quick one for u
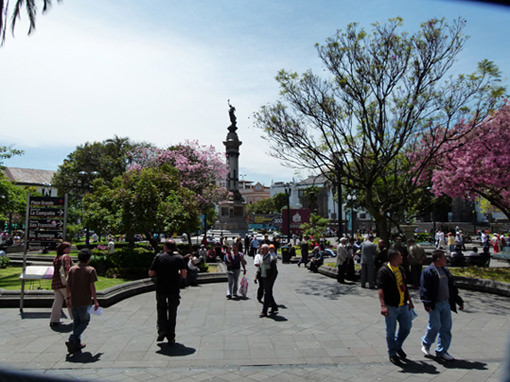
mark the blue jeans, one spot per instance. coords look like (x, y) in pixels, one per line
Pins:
(81, 318)
(233, 281)
(402, 315)
(440, 321)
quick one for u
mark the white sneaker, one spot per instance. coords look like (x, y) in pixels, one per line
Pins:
(426, 350)
(445, 356)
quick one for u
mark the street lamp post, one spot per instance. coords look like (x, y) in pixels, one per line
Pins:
(288, 191)
(474, 217)
(85, 181)
(338, 168)
(351, 199)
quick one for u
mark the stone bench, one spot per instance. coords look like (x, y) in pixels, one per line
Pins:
(503, 255)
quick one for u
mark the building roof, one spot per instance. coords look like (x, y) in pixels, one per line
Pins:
(29, 175)
(318, 180)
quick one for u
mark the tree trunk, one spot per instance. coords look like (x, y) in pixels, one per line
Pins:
(131, 240)
(381, 222)
(153, 242)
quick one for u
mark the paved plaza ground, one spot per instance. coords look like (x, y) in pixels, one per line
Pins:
(324, 332)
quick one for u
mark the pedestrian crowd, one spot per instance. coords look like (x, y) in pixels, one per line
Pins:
(390, 268)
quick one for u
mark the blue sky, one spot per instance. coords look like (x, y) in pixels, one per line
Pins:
(162, 71)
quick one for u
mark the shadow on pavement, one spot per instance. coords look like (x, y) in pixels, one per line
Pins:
(331, 290)
(277, 318)
(86, 357)
(413, 367)
(463, 364)
(239, 298)
(174, 350)
(63, 328)
(36, 315)
(476, 302)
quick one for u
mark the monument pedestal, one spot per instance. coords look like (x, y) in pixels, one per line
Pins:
(232, 217)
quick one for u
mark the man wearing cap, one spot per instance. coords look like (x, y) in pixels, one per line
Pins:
(341, 259)
(368, 255)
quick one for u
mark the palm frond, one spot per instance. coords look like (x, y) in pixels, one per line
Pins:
(31, 9)
(4, 6)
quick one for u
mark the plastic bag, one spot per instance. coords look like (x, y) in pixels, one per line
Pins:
(244, 286)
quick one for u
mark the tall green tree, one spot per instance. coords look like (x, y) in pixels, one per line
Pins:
(105, 160)
(148, 201)
(280, 201)
(311, 196)
(386, 90)
(269, 205)
(7, 152)
(263, 206)
(316, 227)
(12, 198)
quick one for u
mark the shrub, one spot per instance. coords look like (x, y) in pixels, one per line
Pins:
(125, 261)
(422, 237)
(183, 248)
(101, 262)
(202, 267)
(4, 262)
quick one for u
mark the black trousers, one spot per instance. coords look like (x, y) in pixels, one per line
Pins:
(269, 302)
(303, 259)
(340, 277)
(415, 275)
(166, 305)
(260, 290)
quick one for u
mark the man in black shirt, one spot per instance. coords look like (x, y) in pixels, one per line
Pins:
(169, 268)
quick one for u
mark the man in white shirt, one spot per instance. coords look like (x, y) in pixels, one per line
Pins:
(341, 257)
(260, 290)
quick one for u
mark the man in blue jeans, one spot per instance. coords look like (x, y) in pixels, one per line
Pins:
(81, 291)
(440, 296)
(396, 304)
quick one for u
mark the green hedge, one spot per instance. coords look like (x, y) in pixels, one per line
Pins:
(4, 262)
(422, 237)
(134, 262)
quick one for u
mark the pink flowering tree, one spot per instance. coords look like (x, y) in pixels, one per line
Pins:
(200, 169)
(475, 165)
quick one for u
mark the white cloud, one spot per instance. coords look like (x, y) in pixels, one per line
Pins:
(163, 72)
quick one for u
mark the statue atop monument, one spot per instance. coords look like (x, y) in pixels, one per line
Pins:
(233, 120)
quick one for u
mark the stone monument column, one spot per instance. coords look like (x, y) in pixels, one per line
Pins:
(232, 214)
(232, 150)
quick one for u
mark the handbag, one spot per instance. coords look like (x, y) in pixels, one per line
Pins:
(243, 288)
(62, 273)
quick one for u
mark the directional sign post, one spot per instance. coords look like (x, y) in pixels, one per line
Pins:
(46, 222)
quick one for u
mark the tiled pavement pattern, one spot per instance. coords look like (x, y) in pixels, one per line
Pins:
(324, 332)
